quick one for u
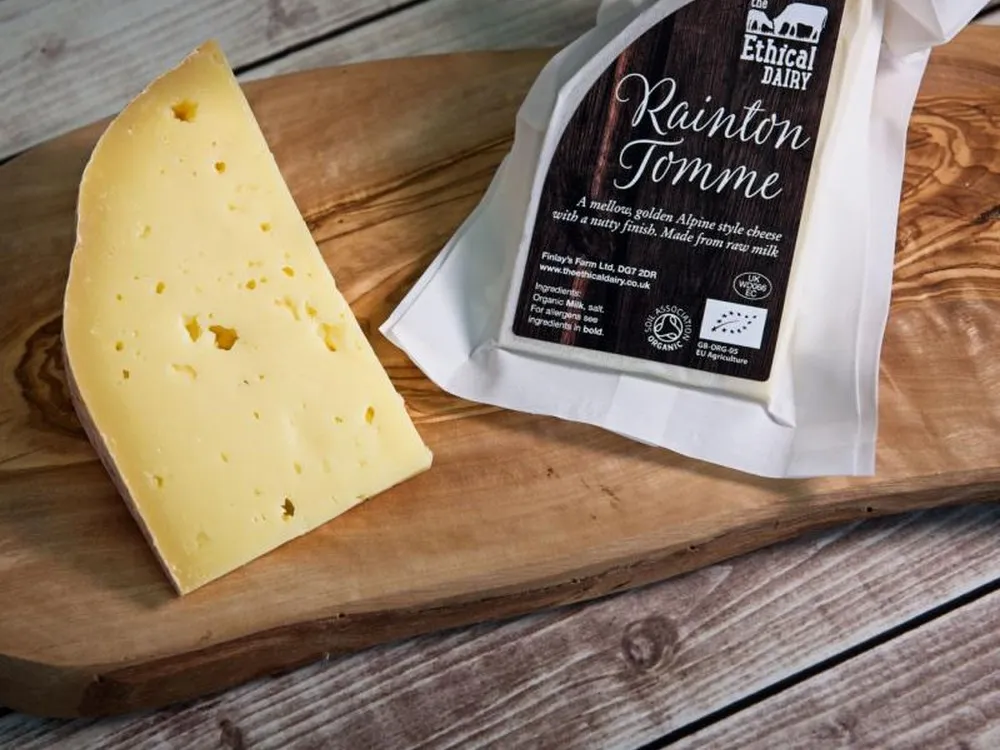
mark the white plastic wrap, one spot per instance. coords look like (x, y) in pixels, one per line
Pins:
(816, 414)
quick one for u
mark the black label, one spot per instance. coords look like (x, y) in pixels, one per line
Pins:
(670, 212)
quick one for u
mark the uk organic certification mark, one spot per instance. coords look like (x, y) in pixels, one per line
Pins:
(668, 328)
(753, 286)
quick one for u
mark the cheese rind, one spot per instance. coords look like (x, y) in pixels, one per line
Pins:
(225, 380)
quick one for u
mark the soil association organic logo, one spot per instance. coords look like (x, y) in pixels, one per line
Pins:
(668, 328)
(784, 44)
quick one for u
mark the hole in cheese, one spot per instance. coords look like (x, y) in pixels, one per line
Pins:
(252, 284)
(311, 311)
(186, 370)
(265, 226)
(370, 414)
(288, 271)
(145, 231)
(256, 415)
(185, 110)
(126, 374)
(224, 457)
(158, 481)
(220, 166)
(298, 467)
(329, 335)
(160, 287)
(225, 338)
(288, 509)
(338, 420)
(289, 304)
(192, 326)
(119, 345)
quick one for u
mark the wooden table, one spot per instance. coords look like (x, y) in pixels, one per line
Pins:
(873, 635)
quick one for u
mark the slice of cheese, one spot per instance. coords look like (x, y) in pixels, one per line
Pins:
(221, 374)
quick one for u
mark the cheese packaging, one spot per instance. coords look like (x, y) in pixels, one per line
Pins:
(691, 240)
(219, 372)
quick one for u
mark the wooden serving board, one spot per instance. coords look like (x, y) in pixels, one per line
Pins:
(519, 512)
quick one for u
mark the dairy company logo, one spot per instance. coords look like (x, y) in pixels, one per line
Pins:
(753, 286)
(784, 45)
(730, 323)
(668, 328)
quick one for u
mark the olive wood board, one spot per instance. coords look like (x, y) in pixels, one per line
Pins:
(519, 512)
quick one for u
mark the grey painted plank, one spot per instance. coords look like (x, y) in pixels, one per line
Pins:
(613, 674)
(82, 60)
(935, 687)
(440, 26)
(65, 63)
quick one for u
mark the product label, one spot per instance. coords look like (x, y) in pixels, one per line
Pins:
(671, 210)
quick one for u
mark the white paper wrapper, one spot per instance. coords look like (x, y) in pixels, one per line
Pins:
(816, 415)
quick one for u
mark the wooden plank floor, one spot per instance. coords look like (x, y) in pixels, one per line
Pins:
(620, 673)
(926, 688)
(874, 635)
(84, 59)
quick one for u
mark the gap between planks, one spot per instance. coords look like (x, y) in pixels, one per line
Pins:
(617, 673)
(753, 701)
(289, 52)
(260, 37)
(935, 686)
(51, 53)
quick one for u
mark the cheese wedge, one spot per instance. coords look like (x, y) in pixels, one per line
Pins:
(220, 373)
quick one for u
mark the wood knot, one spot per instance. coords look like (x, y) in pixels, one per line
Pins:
(842, 730)
(646, 642)
(52, 48)
(231, 736)
(42, 378)
(287, 16)
(988, 216)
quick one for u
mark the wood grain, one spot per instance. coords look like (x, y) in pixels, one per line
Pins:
(85, 59)
(440, 26)
(616, 673)
(937, 686)
(81, 62)
(520, 512)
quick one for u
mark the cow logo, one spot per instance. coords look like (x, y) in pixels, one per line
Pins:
(785, 44)
(668, 328)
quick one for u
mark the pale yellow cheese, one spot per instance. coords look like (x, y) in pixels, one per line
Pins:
(236, 397)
